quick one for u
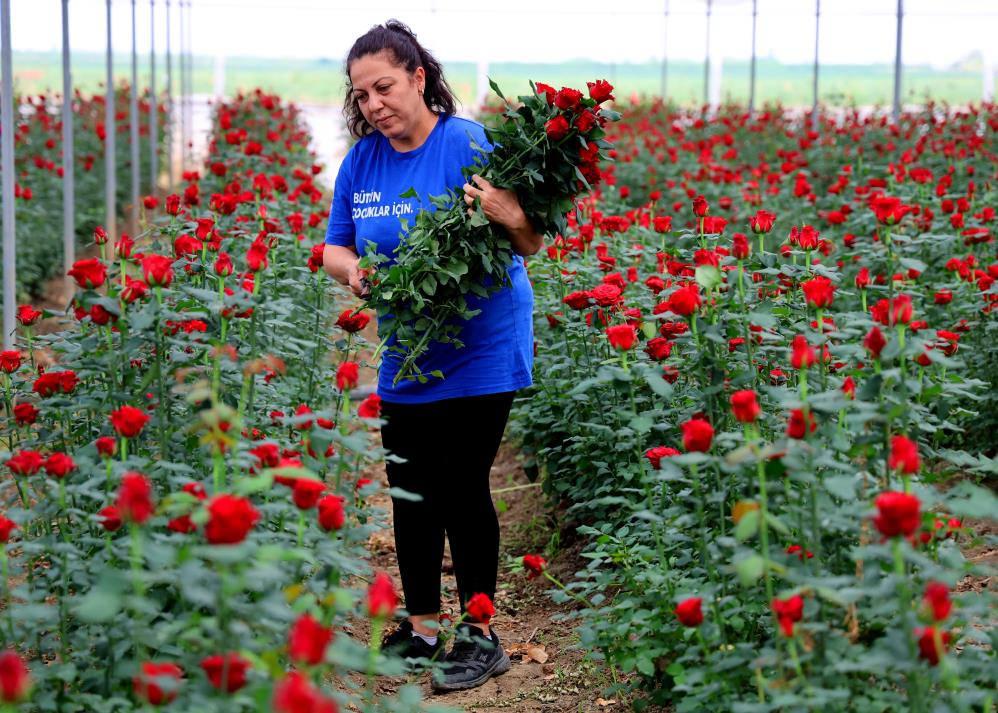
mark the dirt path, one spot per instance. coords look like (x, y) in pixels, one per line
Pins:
(548, 674)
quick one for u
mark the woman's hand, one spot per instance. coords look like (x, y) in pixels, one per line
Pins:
(501, 206)
(357, 279)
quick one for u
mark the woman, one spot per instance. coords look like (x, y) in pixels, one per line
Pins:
(401, 109)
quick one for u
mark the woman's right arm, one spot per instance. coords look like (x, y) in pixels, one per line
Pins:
(341, 263)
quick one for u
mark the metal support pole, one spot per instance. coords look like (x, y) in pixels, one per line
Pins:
(706, 58)
(110, 164)
(817, 27)
(183, 90)
(68, 169)
(133, 125)
(7, 169)
(665, 53)
(190, 85)
(897, 64)
(153, 103)
(170, 121)
(751, 95)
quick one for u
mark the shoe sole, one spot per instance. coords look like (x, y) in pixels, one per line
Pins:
(501, 666)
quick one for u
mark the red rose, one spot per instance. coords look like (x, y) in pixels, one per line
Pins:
(106, 446)
(15, 679)
(534, 564)
(134, 290)
(904, 455)
(740, 248)
(700, 207)
(173, 204)
(370, 407)
(685, 300)
(936, 601)
(819, 292)
(480, 608)
(557, 128)
(662, 223)
(600, 91)
(928, 648)
(59, 465)
(606, 294)
(7, 526)
(10, 360)
(800, 424)
(157, 683)
(889, 210)
(622, 337)
(186, 245)
(874, 342)
(943, 297)
(230, 518)
(658, 348)
(801, 353)
(267, 453)
(656, 454)
(157, 270)
(134, 500)
(762, 222)
(88, 273)
(307, 640)
(547, 90)
(306, 492)
(567, 98)
(697, 435)
(788, 611)
(331, 514)
(100, 235)
(226, 672)
(25, 462)
(256, 256)
(585, 122)
(745, 406)
(897, 514)
(577, 300)
(892, 312)
(381, 598)
(347, 375)
(863, 278)
(25, 414)
(150, 202)
(689, 612)
(129, 421)
(27, 315)
(294, 694)
(110, 518)
(350, 322)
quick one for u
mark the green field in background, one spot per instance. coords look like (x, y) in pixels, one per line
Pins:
(321, 81)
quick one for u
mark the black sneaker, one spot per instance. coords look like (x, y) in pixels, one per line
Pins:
(404, 644)
(474, 659)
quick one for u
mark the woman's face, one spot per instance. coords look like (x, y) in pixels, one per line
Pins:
(388, 96)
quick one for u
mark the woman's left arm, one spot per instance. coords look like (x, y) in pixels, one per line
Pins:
(501, 206)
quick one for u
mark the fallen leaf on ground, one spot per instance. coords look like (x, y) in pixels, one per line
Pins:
(538, 654)
(605, 702)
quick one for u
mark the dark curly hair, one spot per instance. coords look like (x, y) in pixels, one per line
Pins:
(405, 52)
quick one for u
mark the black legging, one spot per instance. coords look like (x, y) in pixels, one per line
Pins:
(449, 447)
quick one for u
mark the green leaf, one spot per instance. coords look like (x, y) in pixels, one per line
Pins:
(747, 526)
(750, 569)
(841, 486)
(708, 276)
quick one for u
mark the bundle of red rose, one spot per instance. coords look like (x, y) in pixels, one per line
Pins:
(547, 150)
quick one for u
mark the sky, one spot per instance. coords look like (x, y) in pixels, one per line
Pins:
(936, 32)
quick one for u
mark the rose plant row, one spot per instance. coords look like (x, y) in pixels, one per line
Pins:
(38, 165)
(184, 509)
(765, 397)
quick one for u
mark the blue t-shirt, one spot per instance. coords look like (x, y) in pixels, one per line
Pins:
(498, 342)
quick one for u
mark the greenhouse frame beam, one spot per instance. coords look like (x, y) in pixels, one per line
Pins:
(706, 58)
(183, 88)
(814, 88)
(110, 179)
(751, 96)
(169, 104)
(896, 111)
(7, 168)
(133, 126)
(68, 167)
(153, 103)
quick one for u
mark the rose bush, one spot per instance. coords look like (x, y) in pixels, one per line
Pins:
(184, 516)
(767, 458)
